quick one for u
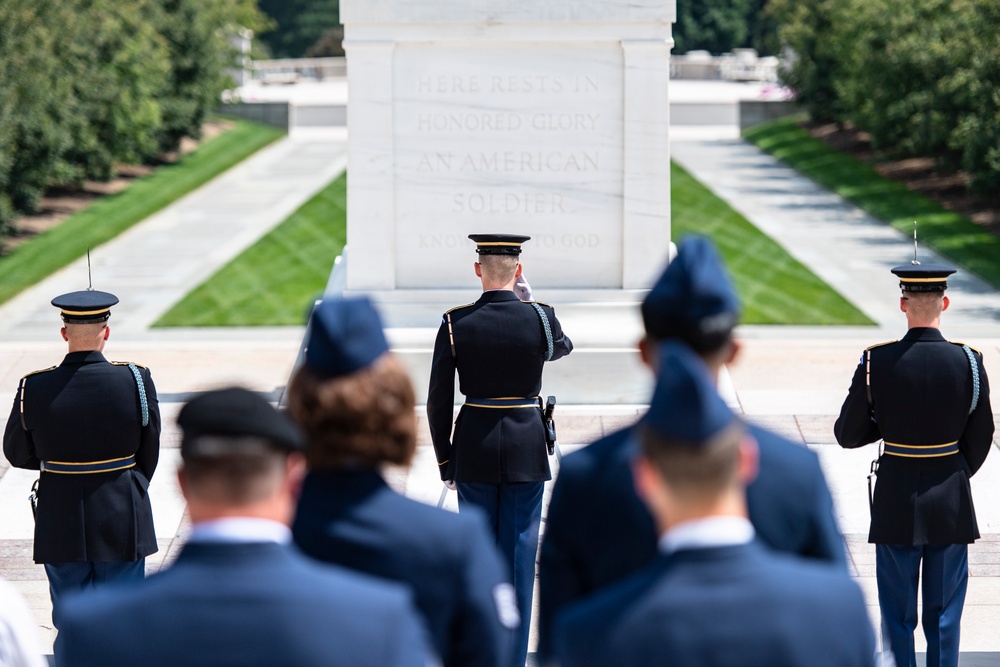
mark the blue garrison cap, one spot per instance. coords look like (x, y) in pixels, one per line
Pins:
(345, 335)
(686, 407)
(694, 300)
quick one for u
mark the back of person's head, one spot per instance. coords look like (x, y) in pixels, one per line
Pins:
(235, 447)
(924, 305)
(690, 436)
(694, 300)
(499, 269)
(352, 397)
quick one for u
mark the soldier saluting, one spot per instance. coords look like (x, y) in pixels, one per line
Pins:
(92, 427)
(497, 456)
(928, 399)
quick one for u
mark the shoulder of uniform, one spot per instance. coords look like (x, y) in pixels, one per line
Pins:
(448, 312)
(540, 303)
(41, 370)
(888, 342)
(961, 344)
(126, 363)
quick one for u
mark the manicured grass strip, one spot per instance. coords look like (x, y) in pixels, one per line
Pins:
(951, 234)
(109, 216)
(774, 287)
(275, 280)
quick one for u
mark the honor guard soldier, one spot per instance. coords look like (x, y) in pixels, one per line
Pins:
(599, 531)
(239, 593)
(713, 595)
(92, 427)
(928, 400)
(497, 455)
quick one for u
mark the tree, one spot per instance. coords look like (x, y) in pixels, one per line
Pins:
(711, 25)
(299, 24)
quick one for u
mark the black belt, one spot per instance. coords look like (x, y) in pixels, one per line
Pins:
(87, 467)
(504, 403)
(921, 451)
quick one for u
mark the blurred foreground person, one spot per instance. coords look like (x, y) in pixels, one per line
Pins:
(238, 593)
(598, 530)
(355, 402)
(18, 633)
(92, 427)
(714, 595)
(929, 401)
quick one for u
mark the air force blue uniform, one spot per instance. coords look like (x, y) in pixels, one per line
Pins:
(352, 518)
(727, 606)
(244, 604)
(921, 392)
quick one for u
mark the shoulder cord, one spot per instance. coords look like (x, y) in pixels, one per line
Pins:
(975, 377)
(548, 331)
(143, 405)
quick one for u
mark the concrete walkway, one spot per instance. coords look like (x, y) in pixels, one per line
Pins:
(791, 378)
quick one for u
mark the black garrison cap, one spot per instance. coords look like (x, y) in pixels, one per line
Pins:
(85, 307)
(238, 414)
(923, 277)
(499, 244)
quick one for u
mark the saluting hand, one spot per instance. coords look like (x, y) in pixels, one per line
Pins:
(521, 288)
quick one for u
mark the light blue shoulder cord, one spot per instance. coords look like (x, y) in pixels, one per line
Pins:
(142, 394)
(975, 377)
(548, 330)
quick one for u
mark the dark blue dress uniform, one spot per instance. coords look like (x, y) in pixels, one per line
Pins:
(497, 454)
(714, 596)
(350, 517)
(598, 531)
(353, 519)
(93, 428)
(916, 395)
(244, 604)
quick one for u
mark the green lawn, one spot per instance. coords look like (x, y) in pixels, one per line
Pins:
(951, 234)
(109, 216)
(275, 280)
(774, 287)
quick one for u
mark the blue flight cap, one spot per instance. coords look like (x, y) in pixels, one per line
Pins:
(694, 300)
(87, 306)
(345, 335)
(238, 415)
(686, 407)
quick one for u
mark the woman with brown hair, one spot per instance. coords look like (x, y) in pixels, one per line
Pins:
(355, 401)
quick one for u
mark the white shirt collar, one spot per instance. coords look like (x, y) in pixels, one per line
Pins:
(716, 531)
(240, 529)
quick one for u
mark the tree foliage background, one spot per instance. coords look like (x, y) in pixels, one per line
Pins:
(89, 85)
(300, 27)
(921, 76)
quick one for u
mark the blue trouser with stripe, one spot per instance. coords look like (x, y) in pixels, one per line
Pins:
(513, 514)
(945, 580)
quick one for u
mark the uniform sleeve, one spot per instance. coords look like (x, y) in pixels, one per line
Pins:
(17, 444)
(978, 434)
(148, 454)
(489, 616)
(827, 542)
(855, 426)
(561, 344)
(559, 583)
(441, 401)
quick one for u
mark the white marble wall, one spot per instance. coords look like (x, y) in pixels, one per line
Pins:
(545, 118)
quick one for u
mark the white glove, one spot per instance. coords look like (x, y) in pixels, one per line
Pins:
(521, 288)
(450, 483)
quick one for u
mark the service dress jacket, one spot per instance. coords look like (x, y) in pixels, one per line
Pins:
(86, 410)
(259, 604)
(353, 519)
(727, 606)
(921, 392)
(498, 346)
(598, 531)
